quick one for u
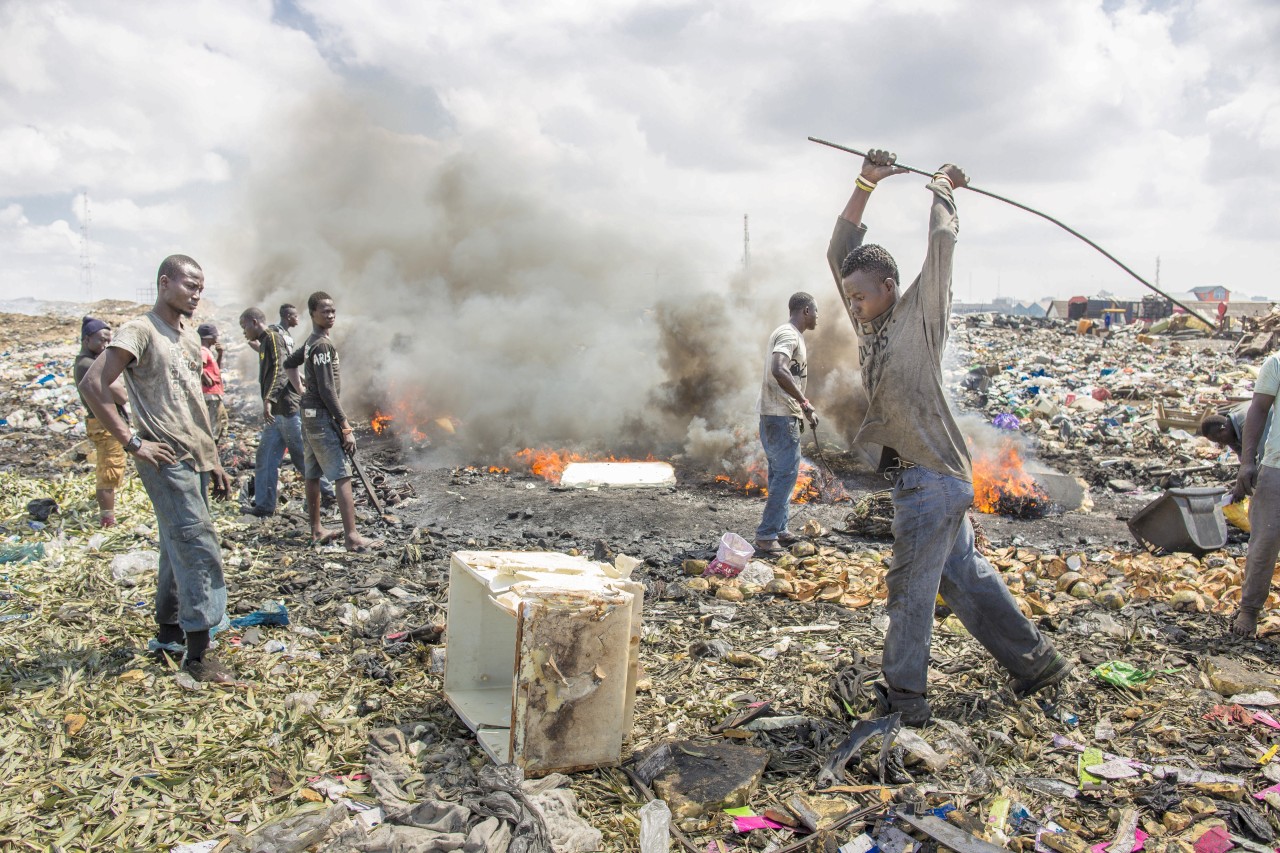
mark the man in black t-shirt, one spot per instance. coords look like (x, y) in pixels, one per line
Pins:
(326, 432)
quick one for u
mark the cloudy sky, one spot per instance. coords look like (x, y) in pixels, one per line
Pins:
(1153, 127)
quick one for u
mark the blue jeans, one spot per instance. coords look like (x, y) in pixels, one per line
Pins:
(780, 436)
(284, 433)
(190, 589)
(933, 552)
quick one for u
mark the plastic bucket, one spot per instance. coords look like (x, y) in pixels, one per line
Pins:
(734, 551)
(1186, 520)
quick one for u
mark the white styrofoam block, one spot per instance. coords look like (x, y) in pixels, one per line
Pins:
(618, 474)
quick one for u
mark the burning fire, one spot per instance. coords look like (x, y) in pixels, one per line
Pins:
(1002, 486)
(550, 464)
(403, 419)
(805, 490)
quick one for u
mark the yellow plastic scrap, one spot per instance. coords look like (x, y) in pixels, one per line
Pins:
(1237, 514)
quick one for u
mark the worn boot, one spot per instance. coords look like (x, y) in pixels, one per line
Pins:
(203, 666)
(1053, 673)
(915, 710)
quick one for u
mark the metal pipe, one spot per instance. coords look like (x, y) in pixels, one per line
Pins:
(1020, 206)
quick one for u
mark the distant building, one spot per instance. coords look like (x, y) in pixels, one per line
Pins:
(1081, 307)
(1211, 293)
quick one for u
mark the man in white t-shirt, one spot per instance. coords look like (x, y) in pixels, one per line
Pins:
(781, 405)
(1259, 476)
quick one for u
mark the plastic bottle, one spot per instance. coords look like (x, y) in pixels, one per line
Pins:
(655, 827)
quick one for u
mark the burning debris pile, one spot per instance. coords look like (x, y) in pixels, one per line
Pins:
(1002, 486)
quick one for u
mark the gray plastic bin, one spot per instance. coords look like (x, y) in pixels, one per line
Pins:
(1188, 520)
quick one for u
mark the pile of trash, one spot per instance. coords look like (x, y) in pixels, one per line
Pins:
(1123, 411)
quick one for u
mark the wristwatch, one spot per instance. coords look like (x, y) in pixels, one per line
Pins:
(134, 444)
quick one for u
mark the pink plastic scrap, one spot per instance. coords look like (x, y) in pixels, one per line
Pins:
(1231, 714)
(746, 824)
(1140, 841)
(1262, 795)
(1266, 719)
(1216, 840)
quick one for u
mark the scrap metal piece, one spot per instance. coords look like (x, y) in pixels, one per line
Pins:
(741, 716)
(832, 772)
(951, 837)
(368, 486)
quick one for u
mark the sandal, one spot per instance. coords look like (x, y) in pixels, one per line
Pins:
(786, 537)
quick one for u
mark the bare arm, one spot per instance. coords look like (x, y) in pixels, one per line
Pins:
(1253, 424)
(119, 393)
(780, 368)
(291, 365)
(877, 166)
(107, 369)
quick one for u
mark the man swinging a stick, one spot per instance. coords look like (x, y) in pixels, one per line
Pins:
(901, 338)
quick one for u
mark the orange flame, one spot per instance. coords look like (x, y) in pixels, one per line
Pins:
(406, 419)
(1001, 482)
(805, 490)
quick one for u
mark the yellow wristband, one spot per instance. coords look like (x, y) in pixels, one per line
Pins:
(863, 184)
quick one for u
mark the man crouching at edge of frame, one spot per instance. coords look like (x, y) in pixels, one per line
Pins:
(901, 338)
(172, 444)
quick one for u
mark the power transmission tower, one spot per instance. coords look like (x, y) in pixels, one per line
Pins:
(86, 265)
(746, 242)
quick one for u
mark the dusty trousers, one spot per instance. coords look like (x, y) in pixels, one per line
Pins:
(933, 552)
(780, 437)
(190, 589)
(1264, 540)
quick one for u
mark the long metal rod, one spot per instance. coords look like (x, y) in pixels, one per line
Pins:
(1020, 206)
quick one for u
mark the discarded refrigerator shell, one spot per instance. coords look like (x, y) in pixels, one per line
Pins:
(543, 657)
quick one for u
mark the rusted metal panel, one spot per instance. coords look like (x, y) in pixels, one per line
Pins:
(571, 679)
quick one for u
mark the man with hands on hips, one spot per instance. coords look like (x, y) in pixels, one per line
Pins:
(172, 442)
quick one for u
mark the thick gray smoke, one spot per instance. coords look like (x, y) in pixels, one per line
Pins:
(466, 290)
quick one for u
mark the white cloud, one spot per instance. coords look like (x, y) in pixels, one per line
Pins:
(1146, 125)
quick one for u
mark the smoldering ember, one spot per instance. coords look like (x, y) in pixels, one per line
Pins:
(557, 648)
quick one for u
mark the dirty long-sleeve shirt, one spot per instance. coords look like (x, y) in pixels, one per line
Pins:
(901, 351)
(319, 360)
(276, 390)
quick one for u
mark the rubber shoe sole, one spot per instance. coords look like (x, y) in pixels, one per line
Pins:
(209, 670)
(1052, 675)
